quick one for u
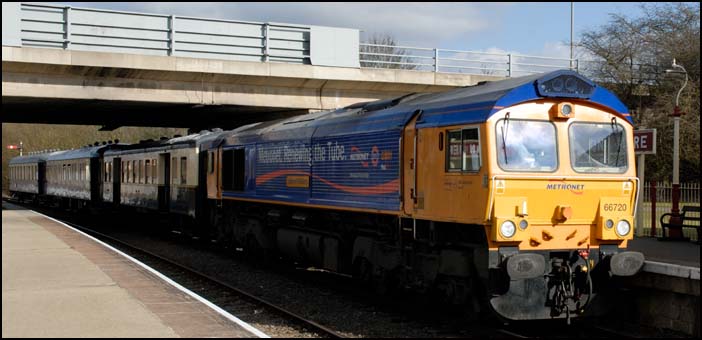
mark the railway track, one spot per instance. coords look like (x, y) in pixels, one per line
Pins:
(391, 309)
(305, 323)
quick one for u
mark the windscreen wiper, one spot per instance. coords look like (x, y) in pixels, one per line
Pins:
(505, 128)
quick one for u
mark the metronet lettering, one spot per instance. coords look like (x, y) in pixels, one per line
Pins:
(574, 187)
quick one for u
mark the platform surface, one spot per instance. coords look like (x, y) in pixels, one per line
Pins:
(57, 282)
(683, 253)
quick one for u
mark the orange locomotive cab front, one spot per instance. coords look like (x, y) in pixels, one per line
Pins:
(561, 206)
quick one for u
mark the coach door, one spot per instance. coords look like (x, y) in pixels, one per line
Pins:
(116, 173)
(164, 185)
(213, 188)
(42, 178)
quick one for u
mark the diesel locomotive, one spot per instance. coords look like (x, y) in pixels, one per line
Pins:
(516, 195)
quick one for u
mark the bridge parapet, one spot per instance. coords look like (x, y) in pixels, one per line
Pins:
(86, 29)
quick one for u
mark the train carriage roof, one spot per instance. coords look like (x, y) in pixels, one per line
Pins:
(29, 159)
(82, 153)
(193, 140)
(466, 105)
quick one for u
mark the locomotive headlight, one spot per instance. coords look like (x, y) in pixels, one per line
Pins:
(566, 109)
(609, 224)
(623, 228)
(508, 229)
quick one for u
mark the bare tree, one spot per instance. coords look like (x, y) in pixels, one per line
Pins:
(634, 54)
(382, 52)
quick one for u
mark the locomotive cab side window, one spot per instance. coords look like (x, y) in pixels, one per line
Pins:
(463, 152)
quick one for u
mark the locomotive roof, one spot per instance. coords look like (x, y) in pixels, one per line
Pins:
(29, 159)
(466, 105)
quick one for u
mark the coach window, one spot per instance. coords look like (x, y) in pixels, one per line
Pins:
(147, 170)
(140, 172)
(463, 152)
(183, 170)
(154, 172)
(132, 171)
(174, 169)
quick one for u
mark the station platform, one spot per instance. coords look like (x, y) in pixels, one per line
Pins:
(57, 282)
(671, 258)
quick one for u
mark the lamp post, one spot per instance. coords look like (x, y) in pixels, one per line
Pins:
(675, 212)
(572, 17)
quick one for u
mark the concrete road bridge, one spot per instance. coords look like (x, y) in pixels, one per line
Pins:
(69, 65)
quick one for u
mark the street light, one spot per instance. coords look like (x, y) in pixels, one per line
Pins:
(572, 17)
(675, 212)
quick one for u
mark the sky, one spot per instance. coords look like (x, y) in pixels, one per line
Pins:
(540, 29)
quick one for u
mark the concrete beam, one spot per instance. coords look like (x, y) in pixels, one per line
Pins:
(42, 75)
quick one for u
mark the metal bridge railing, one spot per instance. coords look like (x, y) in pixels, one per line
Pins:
(495, 64)
(456, 61)
(66, 27)
(86, 29)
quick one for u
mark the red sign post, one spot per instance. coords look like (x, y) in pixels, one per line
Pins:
(645, 142)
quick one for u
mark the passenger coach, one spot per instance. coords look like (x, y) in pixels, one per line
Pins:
(27, 176)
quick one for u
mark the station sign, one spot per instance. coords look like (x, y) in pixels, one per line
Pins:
(645, 142)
